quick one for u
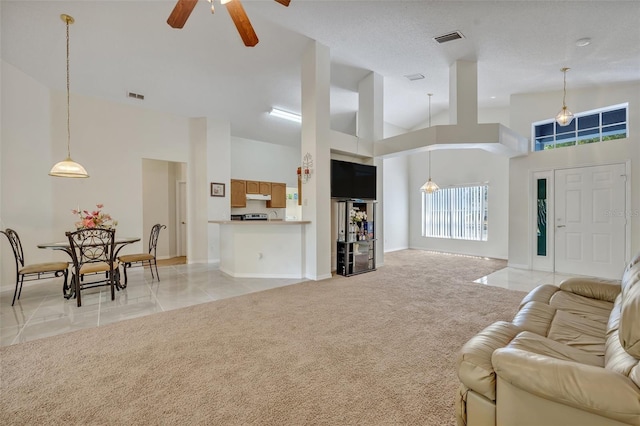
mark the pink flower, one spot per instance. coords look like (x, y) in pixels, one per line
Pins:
(94, 219)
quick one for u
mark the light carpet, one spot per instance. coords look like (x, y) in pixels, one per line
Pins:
(373, 349)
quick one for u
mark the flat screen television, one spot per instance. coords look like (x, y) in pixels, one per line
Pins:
(353, 180)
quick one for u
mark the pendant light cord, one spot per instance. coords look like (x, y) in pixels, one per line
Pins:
(68, 108)
(564, 89)
(429, 94)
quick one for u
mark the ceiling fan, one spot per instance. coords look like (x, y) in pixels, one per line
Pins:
(183, 9)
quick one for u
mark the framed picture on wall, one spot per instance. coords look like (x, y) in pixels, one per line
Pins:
(217, 189)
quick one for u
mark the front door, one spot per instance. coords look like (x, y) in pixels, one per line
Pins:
(590, 220)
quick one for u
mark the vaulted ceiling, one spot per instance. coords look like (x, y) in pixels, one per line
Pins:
(205, 70)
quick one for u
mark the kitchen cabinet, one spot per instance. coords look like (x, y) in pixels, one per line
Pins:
(257, 187)
(356, 248)
(278, 196)
(238, 193)
(252, 187)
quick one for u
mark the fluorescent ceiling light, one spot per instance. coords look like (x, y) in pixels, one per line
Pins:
(286, 115)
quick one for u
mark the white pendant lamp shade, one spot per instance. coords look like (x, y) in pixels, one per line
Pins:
(564, 117)
(68, 168)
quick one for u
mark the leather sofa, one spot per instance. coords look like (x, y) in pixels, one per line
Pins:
(570, 356)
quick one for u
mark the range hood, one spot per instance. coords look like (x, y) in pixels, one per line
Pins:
(263, 197)
(464, 132)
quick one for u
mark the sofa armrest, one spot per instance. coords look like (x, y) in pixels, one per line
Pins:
(592, 288)
(585, 387)
(474, 359)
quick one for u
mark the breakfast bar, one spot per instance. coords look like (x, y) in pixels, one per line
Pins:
(262, 249)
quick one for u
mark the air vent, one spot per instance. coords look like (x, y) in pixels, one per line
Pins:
(136, 96)
(456, 35)
(414, 77)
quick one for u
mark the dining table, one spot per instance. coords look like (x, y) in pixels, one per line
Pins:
(119, 243)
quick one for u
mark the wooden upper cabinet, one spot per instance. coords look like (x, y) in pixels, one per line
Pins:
(265, 188)
(257, 187)
(238, 193)
(278, 196)
(253, 187)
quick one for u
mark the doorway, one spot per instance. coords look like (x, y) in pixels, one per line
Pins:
(163, 202)
(580, 224)
(181, 218)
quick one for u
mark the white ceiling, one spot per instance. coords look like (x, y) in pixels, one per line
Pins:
(205, 70)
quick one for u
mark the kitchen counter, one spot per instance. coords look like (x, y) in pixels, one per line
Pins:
(262, 248)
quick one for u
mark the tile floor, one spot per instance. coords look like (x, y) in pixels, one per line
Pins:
(42, 311)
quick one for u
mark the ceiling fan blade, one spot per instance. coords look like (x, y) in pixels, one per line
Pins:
(285, 3)
(242, 22)
(181, 13)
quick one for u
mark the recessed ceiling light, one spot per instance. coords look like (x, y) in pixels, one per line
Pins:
(493, 97)
(583, 42)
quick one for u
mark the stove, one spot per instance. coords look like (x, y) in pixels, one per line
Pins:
(250, 216)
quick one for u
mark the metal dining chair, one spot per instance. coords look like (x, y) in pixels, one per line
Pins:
(148, 258)
(35, 271)
(92, 251)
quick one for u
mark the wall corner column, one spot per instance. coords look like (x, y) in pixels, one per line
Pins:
(316, 195)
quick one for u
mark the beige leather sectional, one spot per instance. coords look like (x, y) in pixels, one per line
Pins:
(569, 357)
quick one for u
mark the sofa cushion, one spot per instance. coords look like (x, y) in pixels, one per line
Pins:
(542, 294)
(586, 307)
(474, 359)
(537, 344)
(618, 360)
(535, 317)
(578, 332)
(629, 326)
(593, 288)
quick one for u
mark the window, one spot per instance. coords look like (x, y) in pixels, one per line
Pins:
(458, 212)
(587, 127)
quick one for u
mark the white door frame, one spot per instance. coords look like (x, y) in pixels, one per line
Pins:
(182, 251)
(548, 264)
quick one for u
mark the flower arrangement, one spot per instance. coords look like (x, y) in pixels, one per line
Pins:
(94, 219)
(357, 216)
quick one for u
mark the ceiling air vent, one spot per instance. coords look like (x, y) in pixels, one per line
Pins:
(135, 96)
(456, 35)
(414, 77)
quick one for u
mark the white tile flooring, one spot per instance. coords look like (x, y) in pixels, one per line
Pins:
(42, 311)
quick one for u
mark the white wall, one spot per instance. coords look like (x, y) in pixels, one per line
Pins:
(455, 167)
(535, 107)
(396, 191)
(255, 160)
(107, 138)
(26, 147)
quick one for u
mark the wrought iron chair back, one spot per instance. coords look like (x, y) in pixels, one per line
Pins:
(143, 259)
(16, 246)
(153, 238)
(32, 272)
(92, 251)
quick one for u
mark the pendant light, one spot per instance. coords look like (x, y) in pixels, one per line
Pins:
(68, 168)
(429, 186)
(564, 117)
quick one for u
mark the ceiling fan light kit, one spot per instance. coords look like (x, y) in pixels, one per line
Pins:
(183, 9)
